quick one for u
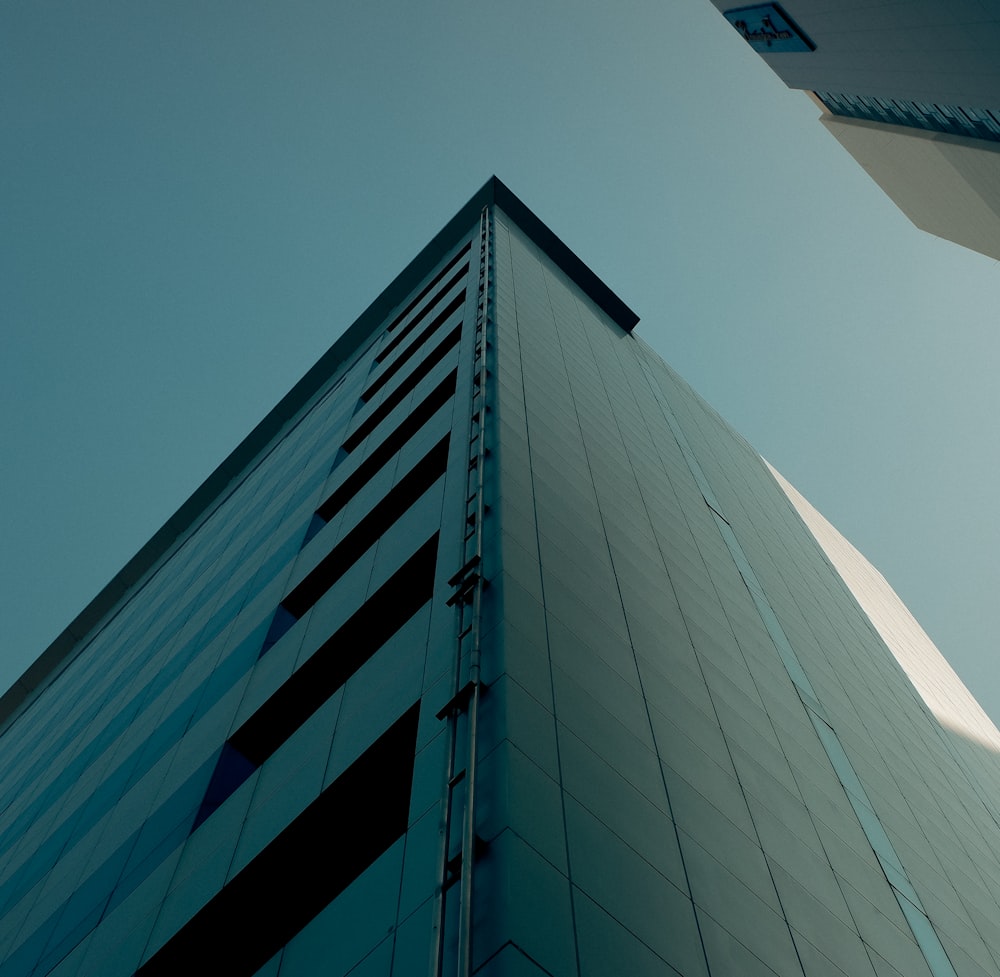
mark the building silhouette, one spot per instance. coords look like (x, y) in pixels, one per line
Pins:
(494, 650)
(910, 90)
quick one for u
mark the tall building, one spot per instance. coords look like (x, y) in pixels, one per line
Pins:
(494, 650)
(911, 90)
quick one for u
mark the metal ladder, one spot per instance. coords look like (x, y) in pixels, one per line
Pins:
(467, 589)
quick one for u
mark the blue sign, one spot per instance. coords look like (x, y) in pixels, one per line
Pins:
(768, 29)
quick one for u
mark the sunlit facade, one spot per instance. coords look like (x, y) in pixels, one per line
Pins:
(911, 91)
(495, 650)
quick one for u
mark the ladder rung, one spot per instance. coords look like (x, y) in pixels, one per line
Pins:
(454, 870)
(457, 702)
(464, 595)
(469, 564)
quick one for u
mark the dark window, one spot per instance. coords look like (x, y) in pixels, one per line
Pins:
(338, 658)
(330, 666)
(395, 440)
(392, 401)
(393, 368)
(423, 292)
(304, 869)
(451, 307)
(343, 556)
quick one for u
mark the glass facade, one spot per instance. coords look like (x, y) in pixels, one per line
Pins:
(497, 652)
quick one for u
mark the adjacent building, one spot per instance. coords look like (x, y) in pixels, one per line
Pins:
(910, 89)
(494, 650)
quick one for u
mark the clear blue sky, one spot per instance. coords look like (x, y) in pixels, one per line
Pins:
(196, 199)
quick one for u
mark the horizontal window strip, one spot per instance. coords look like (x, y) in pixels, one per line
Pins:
(393, 368)
(430, 285)
(354, 821)
(381, 455)
(354, 545)
(340, 656)
(393, 400)
(330, 666)
(451, 307)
